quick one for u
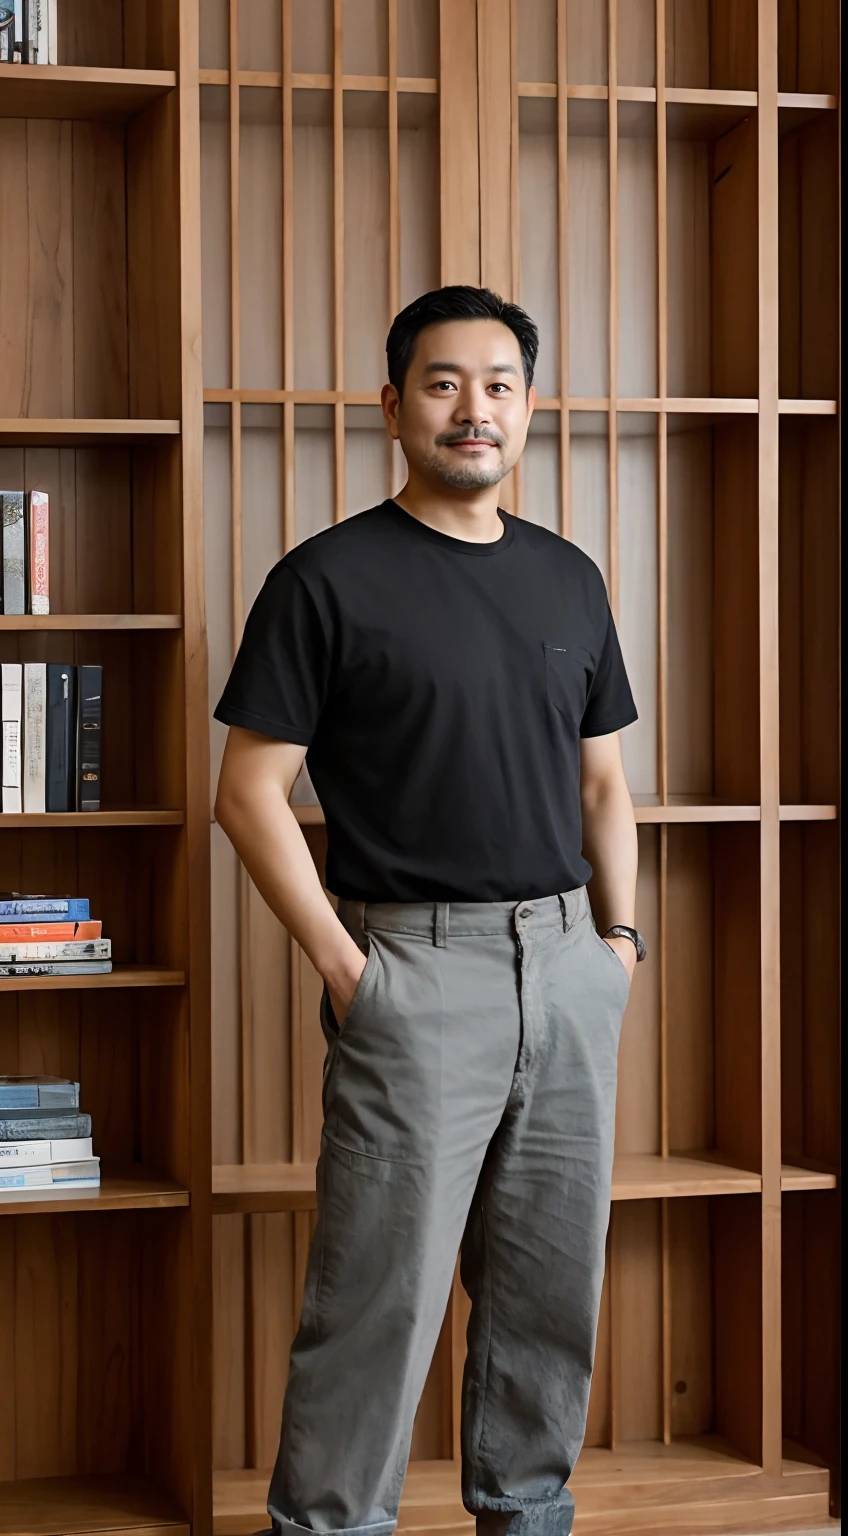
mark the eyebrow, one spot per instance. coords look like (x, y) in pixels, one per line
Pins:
(455, 368)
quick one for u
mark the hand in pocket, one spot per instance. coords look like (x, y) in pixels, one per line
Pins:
(340, 1001)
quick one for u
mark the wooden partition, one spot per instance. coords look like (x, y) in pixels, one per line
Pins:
(656, 181)
(106, 1318)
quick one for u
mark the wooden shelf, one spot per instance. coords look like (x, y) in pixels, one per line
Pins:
(649, 810)
(807, 1175)
(69, 621)
(61, 90)
(41, 1506)
(120, 1190)
(264, 1187)
(79, 432)
(121, 976)
(81, 819)
(683, 1481)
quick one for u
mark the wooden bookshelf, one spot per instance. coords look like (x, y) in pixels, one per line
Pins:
(650, 193)
(105, 1420)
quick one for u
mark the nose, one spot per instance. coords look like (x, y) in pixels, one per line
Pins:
(472, 407)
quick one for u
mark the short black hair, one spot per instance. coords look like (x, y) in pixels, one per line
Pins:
(458, 301)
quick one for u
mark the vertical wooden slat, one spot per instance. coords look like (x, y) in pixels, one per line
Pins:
(338, 266)
(392, 448)
(394, 200)
(514, 201)
(563, 277)
(458, 167)
(662, 418)
(289, 534)
(612, 118)
(613, 1269)
(235, 368)
(664, 1147)
(767, 188)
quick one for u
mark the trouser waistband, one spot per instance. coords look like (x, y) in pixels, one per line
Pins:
(444, 920)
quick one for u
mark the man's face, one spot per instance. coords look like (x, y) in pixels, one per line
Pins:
(463, 417)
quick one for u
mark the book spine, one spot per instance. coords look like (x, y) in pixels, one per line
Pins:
(38, 552)
(52, 32)
(11, 717)
(50, 1177)
(89, 722)
(13, 1152)
(55, 967)
(61, 716)
(46, 909)
(17, 48)
(14, 596)
(49, 933)
(6, 36)
(17, 1095)
(90, 949)
(35, 736)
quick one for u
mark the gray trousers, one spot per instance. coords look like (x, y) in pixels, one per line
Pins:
(469, 1107)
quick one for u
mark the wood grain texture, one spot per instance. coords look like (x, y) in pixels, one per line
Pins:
(458, 115)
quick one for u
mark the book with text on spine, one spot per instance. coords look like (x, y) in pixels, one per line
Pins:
(55, 967)
(85, 1175)
(38, 552)
(43, 909)
(51, 933)
(53, 1151)
(61, 736)
(91, 949)
(89, 721)
(34, 772)
(11, 712)
(43, 1124)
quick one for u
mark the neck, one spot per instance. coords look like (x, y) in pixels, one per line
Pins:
(471, 515)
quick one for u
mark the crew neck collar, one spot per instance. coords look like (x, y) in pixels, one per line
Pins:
(460, 546)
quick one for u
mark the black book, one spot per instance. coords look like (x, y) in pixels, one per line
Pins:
(61, 737)
(89, 732)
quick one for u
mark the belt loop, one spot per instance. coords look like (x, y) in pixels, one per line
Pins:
(441, 910)
(561, 900)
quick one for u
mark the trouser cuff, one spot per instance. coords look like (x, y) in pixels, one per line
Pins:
(287, 1527)
(542, 1520)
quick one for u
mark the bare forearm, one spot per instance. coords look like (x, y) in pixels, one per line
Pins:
(268, 839)
(610, 845)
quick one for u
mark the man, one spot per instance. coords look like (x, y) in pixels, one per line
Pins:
(455, 674)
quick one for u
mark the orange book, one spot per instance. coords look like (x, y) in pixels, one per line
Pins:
(43, 933)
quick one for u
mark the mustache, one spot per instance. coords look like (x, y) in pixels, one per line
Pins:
(480, 434)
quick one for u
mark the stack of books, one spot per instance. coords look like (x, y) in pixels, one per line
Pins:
(51, 936)
(45, 1141)
(25, 587)
(52, 724)
(29, 32)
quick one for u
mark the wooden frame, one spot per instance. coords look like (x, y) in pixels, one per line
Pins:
(106, 1340)
(695, 99)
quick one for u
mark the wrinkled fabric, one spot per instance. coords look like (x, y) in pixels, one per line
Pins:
(469, 1108)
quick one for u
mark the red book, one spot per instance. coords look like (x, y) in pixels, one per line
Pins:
(38, 573)
(38, 933)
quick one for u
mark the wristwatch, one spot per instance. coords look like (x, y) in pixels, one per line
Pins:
(629, 933)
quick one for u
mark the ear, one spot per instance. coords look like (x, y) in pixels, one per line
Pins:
(531, 402)
(390, 403)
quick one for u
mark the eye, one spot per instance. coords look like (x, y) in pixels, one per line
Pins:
(504, 387)
(444, 384)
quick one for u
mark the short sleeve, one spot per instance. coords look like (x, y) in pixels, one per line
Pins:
(280, 677)
(609, 703)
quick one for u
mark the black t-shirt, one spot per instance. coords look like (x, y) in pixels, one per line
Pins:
(441, 687)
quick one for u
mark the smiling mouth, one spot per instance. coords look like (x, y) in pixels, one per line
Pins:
(467, 443)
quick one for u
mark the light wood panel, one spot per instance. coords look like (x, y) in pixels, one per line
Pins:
(630, 174)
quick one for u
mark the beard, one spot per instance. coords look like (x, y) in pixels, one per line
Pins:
(466, 477)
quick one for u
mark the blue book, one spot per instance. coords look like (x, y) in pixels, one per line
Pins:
(47, 909)
(38, 1093)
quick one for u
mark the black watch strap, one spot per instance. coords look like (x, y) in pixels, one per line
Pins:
(629, 933)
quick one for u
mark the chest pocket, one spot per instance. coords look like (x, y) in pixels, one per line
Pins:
(568, 675)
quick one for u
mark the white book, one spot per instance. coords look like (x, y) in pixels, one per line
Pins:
(35, 735)
(11, 708)
(65, 1150)
(84, 1175)
(52, 32)
(63, 949)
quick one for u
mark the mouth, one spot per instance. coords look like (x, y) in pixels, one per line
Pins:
(472, 445)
